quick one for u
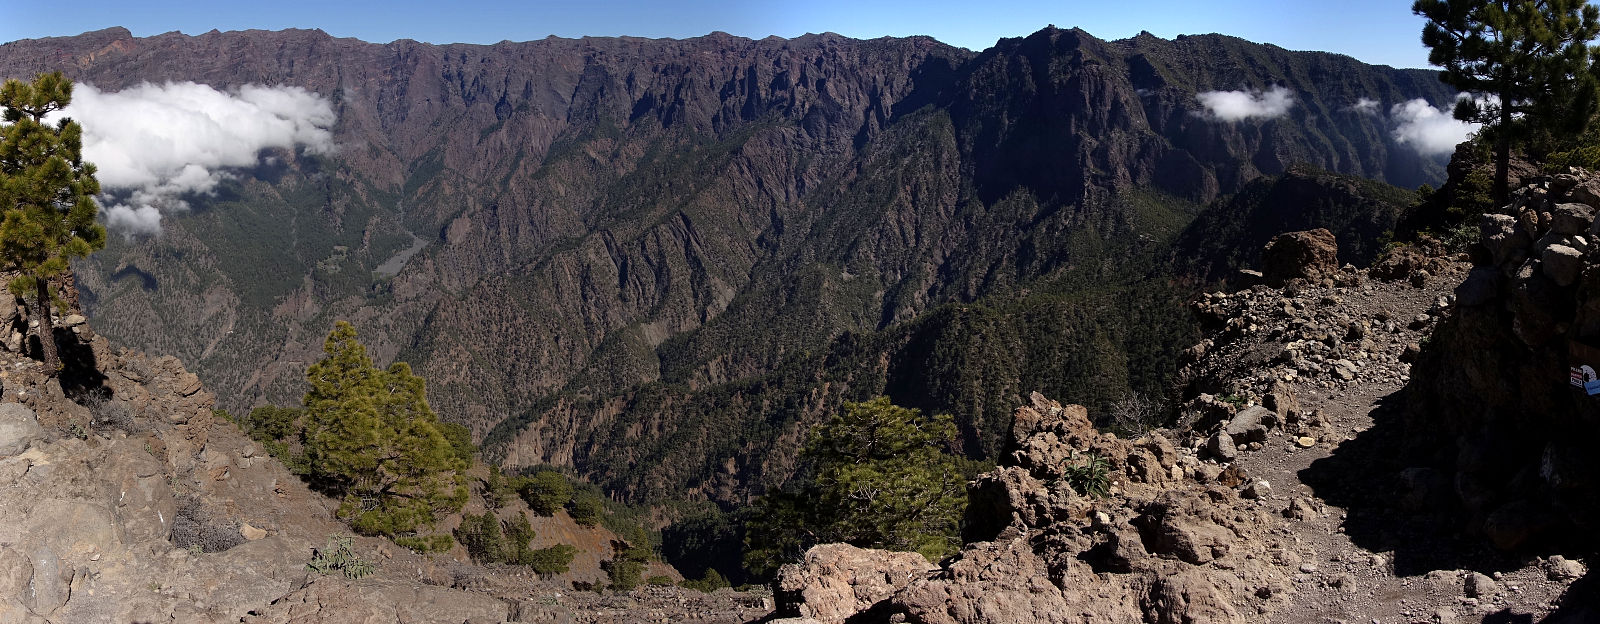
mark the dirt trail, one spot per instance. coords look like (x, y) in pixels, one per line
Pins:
(1369, 544)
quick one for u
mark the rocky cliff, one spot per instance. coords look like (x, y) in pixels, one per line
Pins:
(656, 261)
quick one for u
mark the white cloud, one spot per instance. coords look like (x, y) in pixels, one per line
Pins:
(154, 144)
(1428, 130)
(1366, 106)
(1240, 105)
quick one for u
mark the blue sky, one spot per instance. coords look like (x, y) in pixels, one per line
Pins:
(1383, 32)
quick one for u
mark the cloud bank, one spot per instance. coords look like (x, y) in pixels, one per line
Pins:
(1428, 130)
(1241, 105)
(155, 144)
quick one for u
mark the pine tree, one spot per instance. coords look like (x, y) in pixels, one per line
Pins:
(547, 492)
(882, 476)
(370, 435)
(1533, 56)
(47, 194)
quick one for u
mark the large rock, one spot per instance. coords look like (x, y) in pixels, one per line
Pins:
(1571, 218)
(837, 581)
(1306, 254)
(1250, 424)
(997, 582)
(1562, 263)
(19, 427)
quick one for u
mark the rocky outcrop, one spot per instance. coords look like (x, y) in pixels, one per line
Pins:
(837, 581)
(1170, 543)
(1502, 404)
(1299, 255)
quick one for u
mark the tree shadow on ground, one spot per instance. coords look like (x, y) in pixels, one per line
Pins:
(1387, 513)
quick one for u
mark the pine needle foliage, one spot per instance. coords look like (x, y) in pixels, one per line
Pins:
(370, 435)
(1531, 58)
(47, 196)
(883, 476)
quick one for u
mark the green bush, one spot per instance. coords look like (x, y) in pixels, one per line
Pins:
(552, 560)
(460, 439)
(625, 574)
(712, 581)
(587, 508)
(482, 537)
(497, 489)
(426, 544)
(659, 581)
(270, 423)
(546, 492)
(900, 456)
(370, 436)
(1089, 477)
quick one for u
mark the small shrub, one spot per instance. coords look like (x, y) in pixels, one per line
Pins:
(195, 527)
(625, 574)
(518, 533)
(1135, 415)
(426, 544)
(108, 413)
(659, 581)
(553, 560)
(482, 537)
(460, 439)
(339, 557)
(1090, 477)
(712, 581)
(497, 489)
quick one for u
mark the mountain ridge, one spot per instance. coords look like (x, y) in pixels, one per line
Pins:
(601, 215)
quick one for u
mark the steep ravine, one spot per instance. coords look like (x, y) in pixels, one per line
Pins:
(624, 234)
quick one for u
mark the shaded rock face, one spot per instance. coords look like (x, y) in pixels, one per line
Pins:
(599, 215)
(1498, 404)
(1299, 255)
(1163, 547)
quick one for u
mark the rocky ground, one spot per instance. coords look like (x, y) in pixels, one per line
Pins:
(1359, 532)
(1283, 496)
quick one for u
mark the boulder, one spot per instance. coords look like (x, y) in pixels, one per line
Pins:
(1562, 263)
(1306, 254)
(837, 581)
(19, 427)
(1571, 218)
(1250, 424)
(334, 600)
(1479, 585)
(1185, 525)
(1221, 447)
